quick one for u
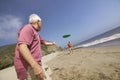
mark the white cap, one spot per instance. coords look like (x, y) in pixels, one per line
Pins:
(34, 18)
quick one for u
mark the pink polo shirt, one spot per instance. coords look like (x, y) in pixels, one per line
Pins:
(30, 36)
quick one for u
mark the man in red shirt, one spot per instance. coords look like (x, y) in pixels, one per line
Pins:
(28, 49)
(70, 47)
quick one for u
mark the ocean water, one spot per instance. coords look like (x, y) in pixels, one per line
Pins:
(115, 42)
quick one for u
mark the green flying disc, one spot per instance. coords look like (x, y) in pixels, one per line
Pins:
(66, 35)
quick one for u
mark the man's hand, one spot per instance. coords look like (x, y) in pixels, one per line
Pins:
(39, 73)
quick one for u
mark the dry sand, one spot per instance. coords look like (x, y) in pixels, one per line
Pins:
(8, 74)
(101, 63)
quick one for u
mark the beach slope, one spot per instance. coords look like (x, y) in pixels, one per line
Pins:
(100, 63)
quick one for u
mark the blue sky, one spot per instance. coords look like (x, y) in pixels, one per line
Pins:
(82, 19)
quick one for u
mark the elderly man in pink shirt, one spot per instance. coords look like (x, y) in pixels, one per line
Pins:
(28, 49)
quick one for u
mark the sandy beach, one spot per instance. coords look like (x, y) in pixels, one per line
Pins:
(100, 63)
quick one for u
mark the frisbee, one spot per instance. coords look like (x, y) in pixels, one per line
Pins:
(66, 35)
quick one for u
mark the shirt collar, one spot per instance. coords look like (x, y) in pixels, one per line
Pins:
(34, 28)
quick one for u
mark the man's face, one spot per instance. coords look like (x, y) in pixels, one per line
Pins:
(39, 23)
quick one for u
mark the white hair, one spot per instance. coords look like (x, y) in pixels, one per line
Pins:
(34, 18)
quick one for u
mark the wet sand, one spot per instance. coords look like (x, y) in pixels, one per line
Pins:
(100, 63)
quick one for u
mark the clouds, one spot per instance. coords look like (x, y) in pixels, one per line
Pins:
(9, 25)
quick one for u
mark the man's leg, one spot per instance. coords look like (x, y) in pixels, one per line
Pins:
(71, 51)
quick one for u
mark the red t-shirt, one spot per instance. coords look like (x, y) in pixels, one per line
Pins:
(69, 45)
